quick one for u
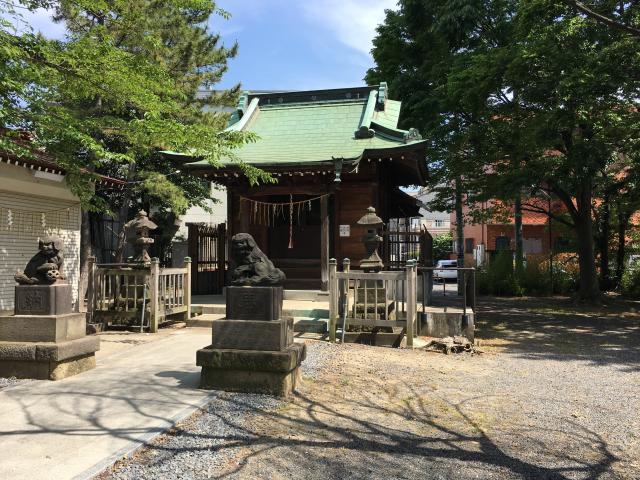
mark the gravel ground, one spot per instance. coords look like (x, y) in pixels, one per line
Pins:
(555, 395)
(8, 382)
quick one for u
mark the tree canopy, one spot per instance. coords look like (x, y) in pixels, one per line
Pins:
(118, 88)
(520, 99)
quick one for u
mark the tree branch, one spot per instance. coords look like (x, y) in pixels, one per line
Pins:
(527, 207)
(581, 7)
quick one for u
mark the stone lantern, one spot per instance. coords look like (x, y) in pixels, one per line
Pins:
(142, 241)
(373, 262)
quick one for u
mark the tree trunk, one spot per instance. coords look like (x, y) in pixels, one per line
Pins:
(459, 233)
(123, 214)
(623, 223)
(605, 229)
(518, 235)
(85, 253)
(588, 290)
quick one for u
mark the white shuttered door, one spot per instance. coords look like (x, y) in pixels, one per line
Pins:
(23, 221)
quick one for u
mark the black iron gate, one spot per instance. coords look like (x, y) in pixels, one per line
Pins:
(208, 252)
(400, 246)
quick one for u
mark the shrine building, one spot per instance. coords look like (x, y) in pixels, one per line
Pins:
(334, 153)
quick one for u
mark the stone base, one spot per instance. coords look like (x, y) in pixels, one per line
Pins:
(48, 360)
(273, 373)
(252, 334)
(42, 328)
(254, 303)
(377, 339)
(43, 299)
(446, 324)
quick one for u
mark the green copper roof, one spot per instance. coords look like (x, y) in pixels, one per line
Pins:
(318, 126)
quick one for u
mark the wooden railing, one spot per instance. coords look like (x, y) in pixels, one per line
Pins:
(138, 295)
(383, 299)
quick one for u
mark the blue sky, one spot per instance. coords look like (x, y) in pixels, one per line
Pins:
(290, 44)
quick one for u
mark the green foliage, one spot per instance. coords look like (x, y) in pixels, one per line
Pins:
(498, 278)
(442, 246)
(630, 284)
(120, 87)
(520, 99)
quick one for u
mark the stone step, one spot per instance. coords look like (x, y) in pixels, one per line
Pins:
(300, 311)
(310, 295)
(310, 325)
(204, 320)
(300, 324)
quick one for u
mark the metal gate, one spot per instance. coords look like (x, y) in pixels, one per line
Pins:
(208, 251)
(398, 247)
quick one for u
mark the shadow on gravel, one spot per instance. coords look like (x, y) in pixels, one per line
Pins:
(555, 328)
(312, 439)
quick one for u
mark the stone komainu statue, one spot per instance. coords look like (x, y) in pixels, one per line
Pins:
(252, 267)
(45, 267)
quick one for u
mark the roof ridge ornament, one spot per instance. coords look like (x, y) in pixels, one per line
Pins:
(383, 94)
(364, 132)
(243, 101)
(412, 135)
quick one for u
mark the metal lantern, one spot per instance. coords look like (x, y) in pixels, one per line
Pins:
(373, 262)
(142, 241)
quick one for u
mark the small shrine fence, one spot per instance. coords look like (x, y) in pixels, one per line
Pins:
(382, 299)
(138, 295)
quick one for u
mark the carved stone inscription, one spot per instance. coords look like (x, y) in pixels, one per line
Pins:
(43, 299)
(35, 301)
(254, 303)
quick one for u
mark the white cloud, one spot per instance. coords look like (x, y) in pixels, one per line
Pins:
(353, 22)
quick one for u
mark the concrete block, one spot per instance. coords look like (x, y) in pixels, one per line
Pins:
(42, 328)
(446, 324)
(254, 303)
(252, 334)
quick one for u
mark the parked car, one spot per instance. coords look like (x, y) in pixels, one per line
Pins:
(445, 270)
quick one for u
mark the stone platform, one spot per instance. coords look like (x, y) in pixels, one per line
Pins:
(45, 347)
(252, 349)
(253, 371)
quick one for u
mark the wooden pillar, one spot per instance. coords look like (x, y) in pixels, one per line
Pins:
(324, 242)
(154, 295)
(186, 286)
(244, 215)
(91, 289)
(333, 299)
(221, 256)
(410, 298)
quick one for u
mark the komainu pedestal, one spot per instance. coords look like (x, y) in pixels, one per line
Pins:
(45, 339)
(46, 347)
(252, 350)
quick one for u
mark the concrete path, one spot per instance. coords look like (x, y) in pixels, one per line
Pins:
(76, 427)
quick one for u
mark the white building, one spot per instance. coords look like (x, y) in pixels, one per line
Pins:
(435, 222)
(35, 202)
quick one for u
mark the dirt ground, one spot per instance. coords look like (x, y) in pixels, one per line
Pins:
(555, 394)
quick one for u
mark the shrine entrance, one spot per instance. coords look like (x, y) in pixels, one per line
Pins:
(207, 248)
(288, 228)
